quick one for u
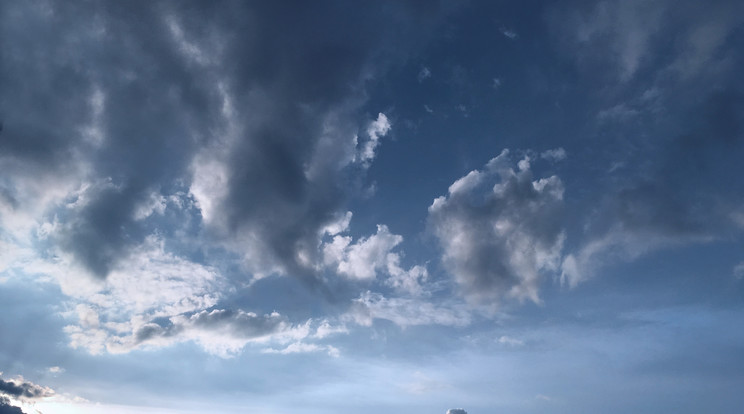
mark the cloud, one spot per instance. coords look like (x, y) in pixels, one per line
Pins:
(628, 37)
(406, 312)
(500, 230)
(456, 411)
(509, 34)
(508, 340)
(376, 129)
(302, 348)
(184, 147)
(423, 74)
(7, 408)
(556, 154)
(175, 100)
(739, 271)
(625, 29)
(364, 259)
(19, 388)
(635, 221)
(17, 391)
(222, 332)
(666, 205)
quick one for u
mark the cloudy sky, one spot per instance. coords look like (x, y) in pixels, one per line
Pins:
(383, 206)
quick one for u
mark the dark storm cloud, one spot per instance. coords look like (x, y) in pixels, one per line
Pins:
(132, 92)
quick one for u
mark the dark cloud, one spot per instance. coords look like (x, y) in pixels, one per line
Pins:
(500, 229)
(6, 408)
(688, 190)
(138, 94)
(456, 411)
(686, 194)
(231, 324)
(21, 389)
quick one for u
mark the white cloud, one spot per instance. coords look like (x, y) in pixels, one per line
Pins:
(303, 348)
(326, 329)
(508, 340)
(56, 370)
(208, 185)
(406, 311)
(156, 203)
(500, 230)
(376, 130)
(363, 259)
(556, 154)
(338, 226)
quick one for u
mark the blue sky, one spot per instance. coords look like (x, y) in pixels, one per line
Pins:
(371, 207)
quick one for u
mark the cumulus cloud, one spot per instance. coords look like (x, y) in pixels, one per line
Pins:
(376, 129)
(364, 259)
(500, 230)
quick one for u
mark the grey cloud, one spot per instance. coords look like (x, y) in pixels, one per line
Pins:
(687, 195)
(23, 389)
(627, 39)
(135, 92)
(7, 408)
(456, 411)
(500, 230)
(234, 324)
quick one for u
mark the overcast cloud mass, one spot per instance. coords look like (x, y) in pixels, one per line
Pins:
(396, 206)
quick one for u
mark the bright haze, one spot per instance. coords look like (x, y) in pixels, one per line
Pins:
(371, 206)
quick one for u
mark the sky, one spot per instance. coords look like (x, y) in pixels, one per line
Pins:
(382, 206)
